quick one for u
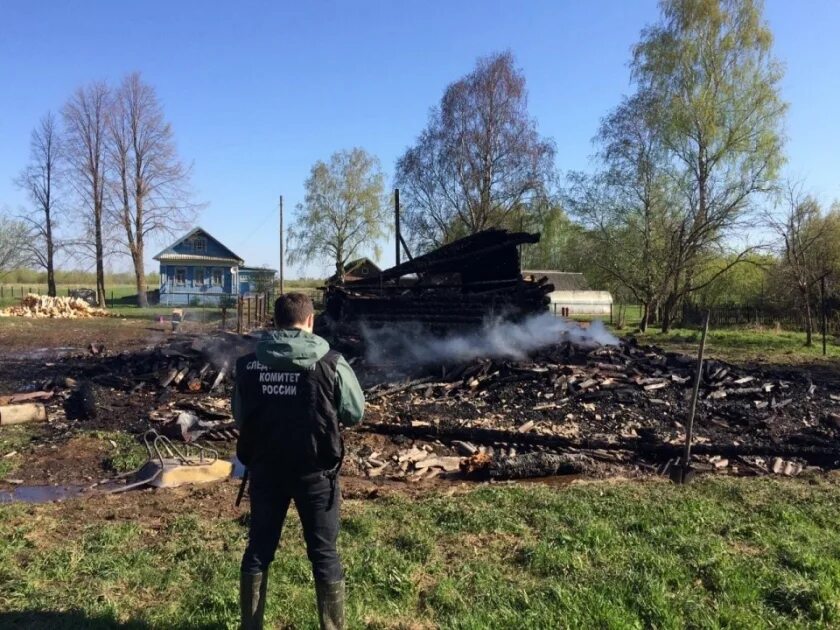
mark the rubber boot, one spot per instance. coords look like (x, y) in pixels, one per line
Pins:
(330, 604)
(252, 600)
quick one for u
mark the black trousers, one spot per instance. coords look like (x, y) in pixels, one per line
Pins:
(317, 501)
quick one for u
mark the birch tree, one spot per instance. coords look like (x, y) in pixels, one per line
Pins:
(628, 207)
(809, 248)
(344, 211)
(479, 162)
(709, 66)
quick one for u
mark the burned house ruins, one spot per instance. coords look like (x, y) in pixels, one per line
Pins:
(455, 286)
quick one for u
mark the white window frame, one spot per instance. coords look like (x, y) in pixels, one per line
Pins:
(221, 274)
(200, 245)
(196, 271)
(179, 271)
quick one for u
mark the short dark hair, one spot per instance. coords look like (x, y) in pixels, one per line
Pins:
(292, 309)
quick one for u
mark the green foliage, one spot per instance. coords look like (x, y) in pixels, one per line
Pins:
(744, 283)
(13, 237)
(14, 439)
(128, 452)
(344, 212)
(561, 240)
(684, 158)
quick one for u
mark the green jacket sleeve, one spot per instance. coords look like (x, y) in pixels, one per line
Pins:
(350, 399)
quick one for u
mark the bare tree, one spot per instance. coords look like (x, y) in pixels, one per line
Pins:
(13, 236)
(41, 179)
(480, 160)
(344, 210)
(808, 244)
(149, 188)
(85, 120)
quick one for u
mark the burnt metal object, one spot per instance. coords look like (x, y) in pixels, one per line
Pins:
(682, 472)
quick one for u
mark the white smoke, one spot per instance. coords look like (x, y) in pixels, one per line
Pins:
(411, 344)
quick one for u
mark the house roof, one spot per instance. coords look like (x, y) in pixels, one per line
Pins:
(214, 260)
(562, 280)
(171, 254)
(350, 265)
(257, 270)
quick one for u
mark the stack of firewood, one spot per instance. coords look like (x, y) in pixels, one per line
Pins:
(55, 307)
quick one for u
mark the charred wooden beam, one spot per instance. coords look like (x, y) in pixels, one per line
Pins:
(815, 454)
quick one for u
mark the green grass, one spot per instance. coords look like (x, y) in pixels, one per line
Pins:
(130, 453)
(734, 343)
(720, 553)
(12, 293)
(747, 344)
(14, 439)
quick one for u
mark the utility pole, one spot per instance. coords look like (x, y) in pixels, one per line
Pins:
(282, 249)
(397, 222)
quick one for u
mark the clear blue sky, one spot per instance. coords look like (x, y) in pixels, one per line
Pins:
(257, 91)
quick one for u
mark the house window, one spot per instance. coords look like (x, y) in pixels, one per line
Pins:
(217, 277)
(365, 271)
(200, 245)
(180, 276)
(198, 276)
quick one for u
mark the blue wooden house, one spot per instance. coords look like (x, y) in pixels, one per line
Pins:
(199, 269)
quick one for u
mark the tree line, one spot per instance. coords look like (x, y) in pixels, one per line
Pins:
(103, 178)
(686, 202)
(686, 198)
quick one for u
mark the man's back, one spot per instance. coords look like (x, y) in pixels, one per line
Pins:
(289, 398)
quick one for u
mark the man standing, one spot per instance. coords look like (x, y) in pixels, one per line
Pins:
(289, 397)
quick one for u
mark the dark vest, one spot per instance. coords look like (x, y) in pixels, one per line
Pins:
(290, 423)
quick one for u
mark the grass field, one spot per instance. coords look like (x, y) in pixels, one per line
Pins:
(12, 293)
(735, 343)
(719, 553)
(748, 345)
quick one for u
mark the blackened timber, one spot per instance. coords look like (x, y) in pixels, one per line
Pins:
(453, 256)
(818, 455)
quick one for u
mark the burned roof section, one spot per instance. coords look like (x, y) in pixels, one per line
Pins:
(460, 284)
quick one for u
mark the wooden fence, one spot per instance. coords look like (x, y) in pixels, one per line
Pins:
(766, 315)
(252, 311)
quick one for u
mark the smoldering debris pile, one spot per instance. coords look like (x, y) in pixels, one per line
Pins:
(458, 285)
(42, 306)
(615, 404)
(404, 347)
(182, 387)
(568, 407)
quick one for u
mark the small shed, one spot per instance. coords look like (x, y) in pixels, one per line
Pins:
(357, 269)
(255, 279)
(571, 293)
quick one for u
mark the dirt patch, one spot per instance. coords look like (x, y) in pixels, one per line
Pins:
(74, 460)
(47, 339)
